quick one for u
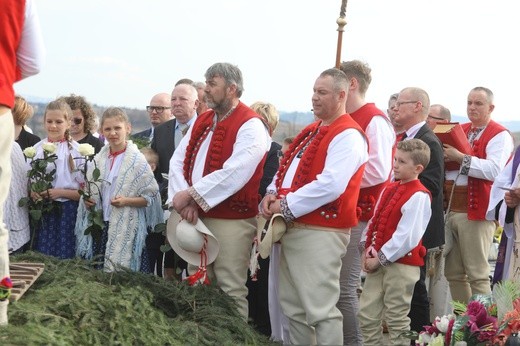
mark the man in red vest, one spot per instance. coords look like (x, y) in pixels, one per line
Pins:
(467, 268)
(215, 173)
(381, 140)
(21, 55)
(316, 190)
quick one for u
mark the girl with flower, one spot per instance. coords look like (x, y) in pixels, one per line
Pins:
(128, 196)
(55, 234)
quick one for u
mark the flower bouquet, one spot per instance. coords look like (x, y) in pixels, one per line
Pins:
(41, 176)
(95, 216)
(486, 320)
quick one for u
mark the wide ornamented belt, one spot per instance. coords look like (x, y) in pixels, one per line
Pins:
(455, 197)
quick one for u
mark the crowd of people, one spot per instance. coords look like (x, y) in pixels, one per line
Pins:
(359, 190)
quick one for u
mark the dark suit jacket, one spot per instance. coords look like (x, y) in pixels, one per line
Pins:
(272, 162)
(163, 143)
(144, 134)
(433, 179)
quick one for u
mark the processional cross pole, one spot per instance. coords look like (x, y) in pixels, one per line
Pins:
(341, 21)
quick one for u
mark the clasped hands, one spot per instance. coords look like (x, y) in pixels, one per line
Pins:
(186, 206)
(269, 206)
(369, 260)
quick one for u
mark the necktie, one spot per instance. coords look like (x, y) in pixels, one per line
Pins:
(400, 137)
(180, 131)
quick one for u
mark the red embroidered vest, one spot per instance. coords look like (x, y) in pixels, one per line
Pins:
(341, 213)
(12, 13)
(479, 189)
(244, 203)
(388, 215)
(368, 195)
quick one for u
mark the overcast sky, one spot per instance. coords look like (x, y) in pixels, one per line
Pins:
(122, 52)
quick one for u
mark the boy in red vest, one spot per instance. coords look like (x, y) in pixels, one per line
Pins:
(391, 246)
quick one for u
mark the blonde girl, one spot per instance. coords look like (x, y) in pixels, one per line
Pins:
(129, 199)
(54, 235)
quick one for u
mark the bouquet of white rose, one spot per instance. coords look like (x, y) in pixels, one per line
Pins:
(95, 216)
(41, 175)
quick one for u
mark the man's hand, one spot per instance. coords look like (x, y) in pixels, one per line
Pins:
(512, 198)
(369, 259)
(190, 213)
(265, 206)
(452, 154)
(371, 265)
(181, 200)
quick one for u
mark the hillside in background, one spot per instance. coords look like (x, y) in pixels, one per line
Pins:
(290, 122)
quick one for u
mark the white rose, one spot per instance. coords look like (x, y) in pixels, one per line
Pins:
(86, 149)
(49, 147)
(29, 152)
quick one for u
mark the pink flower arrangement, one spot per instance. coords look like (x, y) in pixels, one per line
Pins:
(476, 323)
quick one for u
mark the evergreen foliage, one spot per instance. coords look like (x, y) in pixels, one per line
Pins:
(71, 303)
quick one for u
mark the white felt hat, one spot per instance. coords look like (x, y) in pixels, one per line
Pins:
(187, 240)
(276, 228)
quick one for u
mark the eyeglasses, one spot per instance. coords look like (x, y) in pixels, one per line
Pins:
(399, 103)
(435, 118)
(77, 121)
(157, 109)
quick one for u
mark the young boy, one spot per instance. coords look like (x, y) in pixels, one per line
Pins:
(391, 247)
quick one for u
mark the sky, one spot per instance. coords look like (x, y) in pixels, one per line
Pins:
(122, 52)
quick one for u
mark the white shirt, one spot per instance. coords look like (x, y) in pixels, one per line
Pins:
(31, 52)
(498, 152)
(381, 139)
(251, 145)
(65, 178)
(416, 214)
(346, 153)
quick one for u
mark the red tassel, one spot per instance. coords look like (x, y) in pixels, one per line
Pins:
(201, 275)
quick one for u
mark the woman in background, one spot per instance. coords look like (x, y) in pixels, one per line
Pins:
(22, 112)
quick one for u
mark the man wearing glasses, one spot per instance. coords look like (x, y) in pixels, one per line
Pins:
(160, 111)
(438, 114)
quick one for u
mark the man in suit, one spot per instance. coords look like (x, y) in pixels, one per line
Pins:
(412, 108)
(159, 111)
(184, 102)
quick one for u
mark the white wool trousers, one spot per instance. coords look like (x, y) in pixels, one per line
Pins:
(310, 265)
(229, 271)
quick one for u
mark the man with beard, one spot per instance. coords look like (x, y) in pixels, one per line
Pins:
(215, 173)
